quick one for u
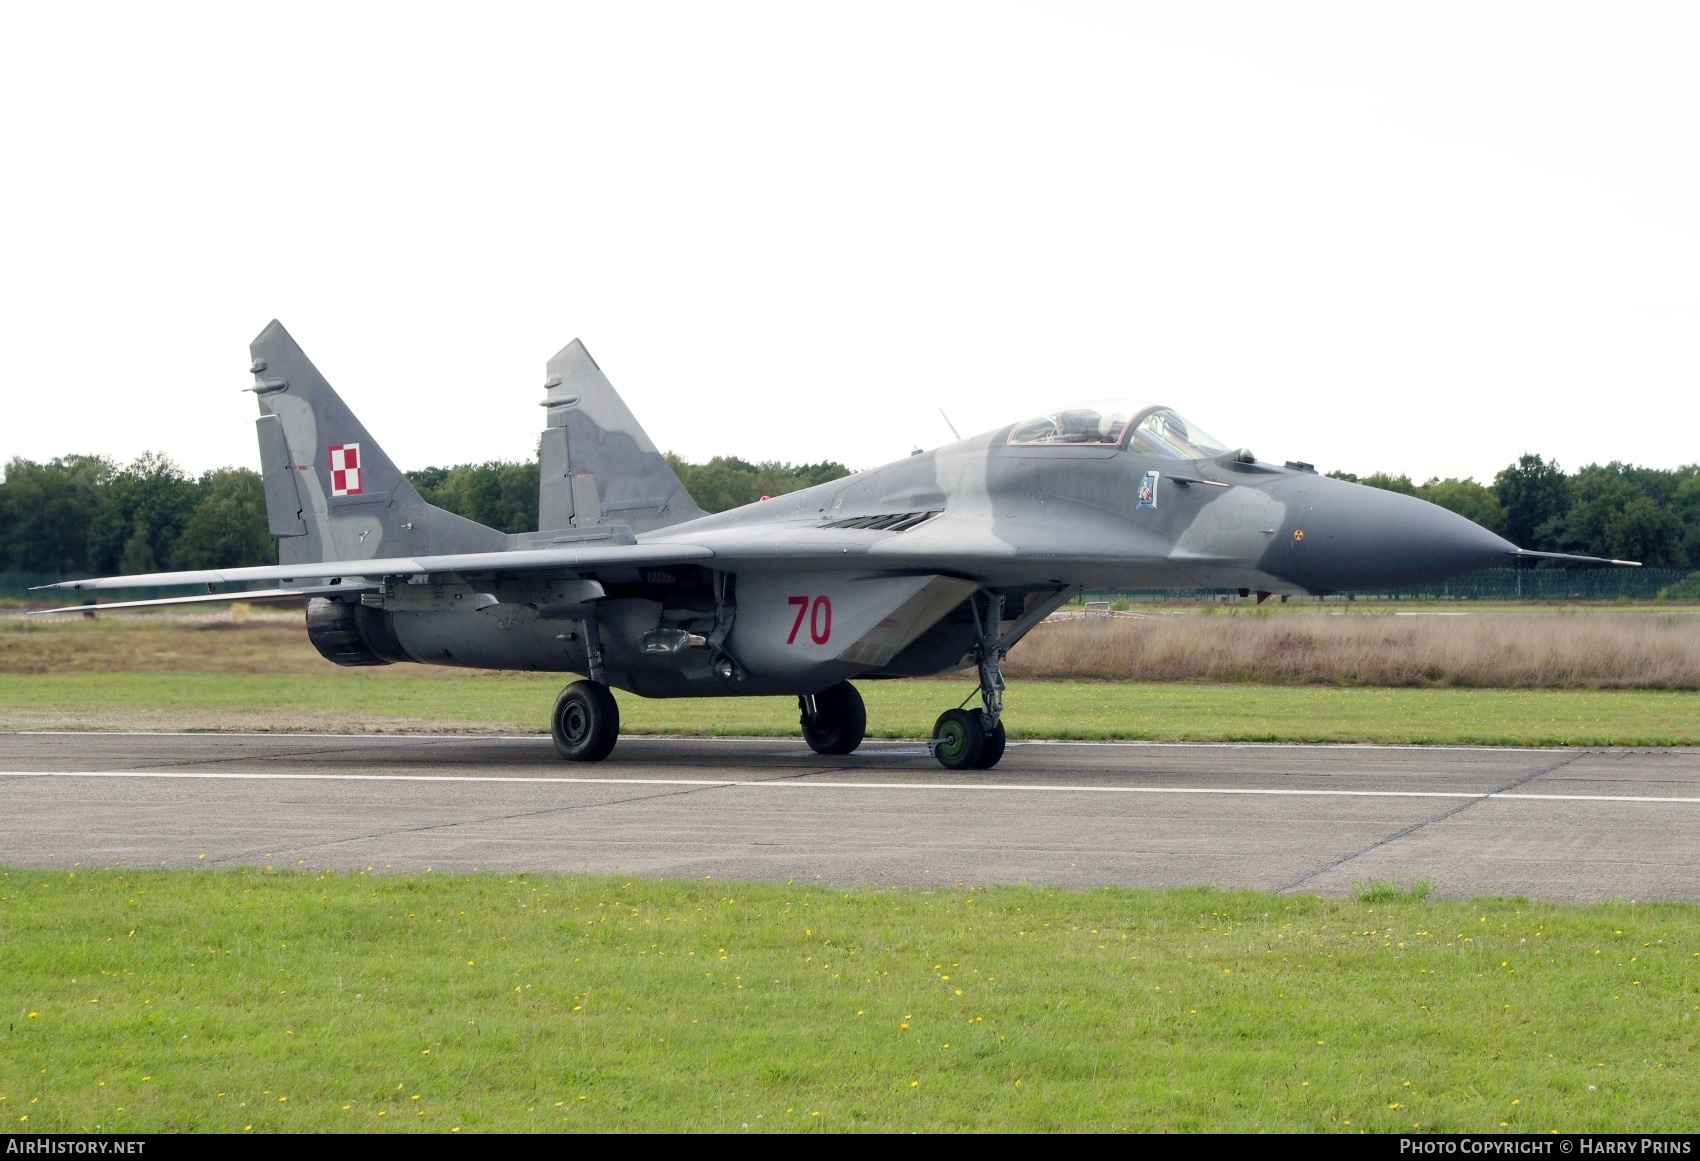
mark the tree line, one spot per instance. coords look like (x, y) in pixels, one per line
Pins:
(87, 515)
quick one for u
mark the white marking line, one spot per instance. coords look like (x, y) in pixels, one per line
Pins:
(879, 745)
(797, 783)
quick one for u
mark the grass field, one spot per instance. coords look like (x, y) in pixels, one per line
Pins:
(214, 674)
(271, 1000)
(247, 1000)
(1529, 649)
(1532, 649)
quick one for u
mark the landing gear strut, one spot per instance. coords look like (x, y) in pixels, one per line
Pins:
(834, 720)
(969, 739)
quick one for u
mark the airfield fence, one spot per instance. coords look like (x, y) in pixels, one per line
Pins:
(1492, 584)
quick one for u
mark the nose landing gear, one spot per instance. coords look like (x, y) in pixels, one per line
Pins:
(969, 739)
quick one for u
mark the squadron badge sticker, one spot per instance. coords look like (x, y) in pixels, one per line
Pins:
(1148, 491)
(345, 469)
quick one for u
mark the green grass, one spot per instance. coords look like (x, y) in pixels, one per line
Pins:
(227, 1001)
(1390, 891)
(409, 698)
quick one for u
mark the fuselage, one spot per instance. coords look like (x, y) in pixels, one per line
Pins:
(912, 542)
(1109, 516)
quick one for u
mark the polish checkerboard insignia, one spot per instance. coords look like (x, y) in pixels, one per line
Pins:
(345, 469)
(1148, 490)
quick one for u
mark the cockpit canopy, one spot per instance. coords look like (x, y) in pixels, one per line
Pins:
(1156, 431)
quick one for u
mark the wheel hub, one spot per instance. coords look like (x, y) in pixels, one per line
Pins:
(575, 724)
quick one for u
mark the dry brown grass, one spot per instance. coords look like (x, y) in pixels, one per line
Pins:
(1591, 650)
(1576, 649)
(210, 642)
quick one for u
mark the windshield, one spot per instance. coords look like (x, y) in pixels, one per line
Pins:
(1164, 433)
(1102, 421)
(1160, 432)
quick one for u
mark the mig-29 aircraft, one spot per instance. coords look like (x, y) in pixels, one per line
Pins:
(936, 563)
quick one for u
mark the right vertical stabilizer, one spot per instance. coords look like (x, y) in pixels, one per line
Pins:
(597, 465)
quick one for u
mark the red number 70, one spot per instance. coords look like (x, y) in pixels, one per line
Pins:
(819, 613)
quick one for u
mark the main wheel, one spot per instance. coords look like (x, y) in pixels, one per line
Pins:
(959, 739)
(993, 750)
(840, 720)
(586, 722)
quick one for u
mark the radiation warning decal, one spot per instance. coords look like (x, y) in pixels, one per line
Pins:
(345, 469)
(1148, 491)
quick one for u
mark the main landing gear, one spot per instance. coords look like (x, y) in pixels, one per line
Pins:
(586, 720)
(974, 739)
(585, 723)
(834, 720)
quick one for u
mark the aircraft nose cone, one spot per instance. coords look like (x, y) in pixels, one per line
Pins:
(1340, 535)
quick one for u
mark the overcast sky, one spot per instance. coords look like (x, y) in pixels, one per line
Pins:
(1419, 237)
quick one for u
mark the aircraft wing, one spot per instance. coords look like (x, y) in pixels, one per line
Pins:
(782, 546)
(566, 559)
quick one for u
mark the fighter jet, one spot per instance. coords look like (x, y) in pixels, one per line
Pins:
(936, 563)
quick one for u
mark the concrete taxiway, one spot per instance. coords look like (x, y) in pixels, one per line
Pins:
(1548, 824)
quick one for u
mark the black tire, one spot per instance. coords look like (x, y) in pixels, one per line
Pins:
(586, 722)
(959, 738)
(840, 722)
(993, 750)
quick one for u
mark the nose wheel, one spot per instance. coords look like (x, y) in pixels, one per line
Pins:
(962, 742)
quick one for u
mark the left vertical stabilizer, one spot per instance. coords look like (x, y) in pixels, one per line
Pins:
(331, 491)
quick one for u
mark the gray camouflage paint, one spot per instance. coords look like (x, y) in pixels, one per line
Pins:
(780, 596)
(597, 466)
(301, 419)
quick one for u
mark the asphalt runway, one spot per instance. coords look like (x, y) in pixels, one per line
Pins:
(1547, 824)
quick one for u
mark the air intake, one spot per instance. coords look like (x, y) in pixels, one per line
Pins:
(891, 522)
